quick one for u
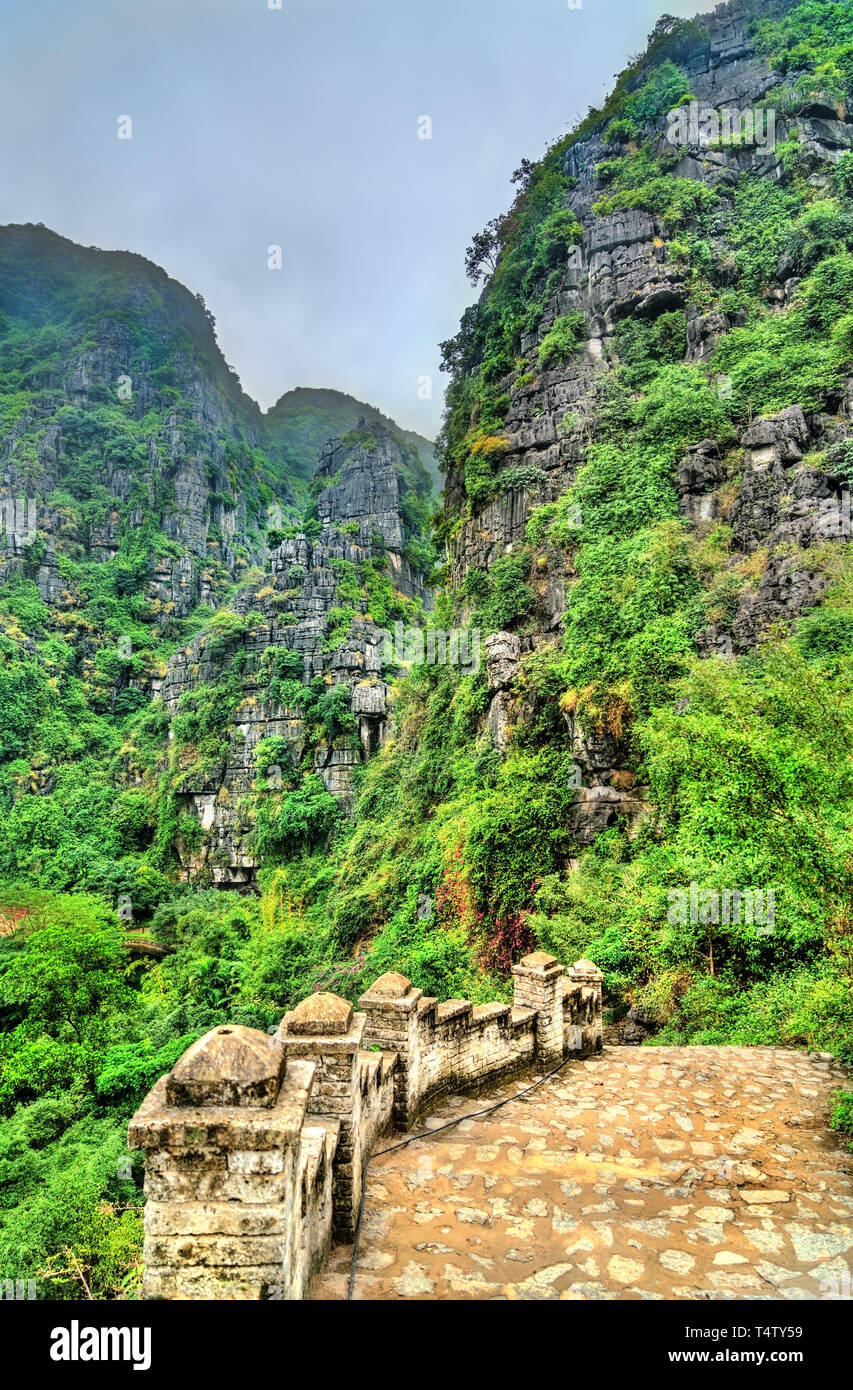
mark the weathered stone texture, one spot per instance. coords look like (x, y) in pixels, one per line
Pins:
(623, 268)
(256, 1146)
(287, 618)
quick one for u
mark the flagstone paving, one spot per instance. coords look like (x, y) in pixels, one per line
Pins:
(645, 1173)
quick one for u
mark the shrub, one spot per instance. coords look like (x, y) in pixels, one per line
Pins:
(558, 345)
(621, 131)
(298, 821)
(844, 174)
(820, 231)
(509, 597)
(842, 1116)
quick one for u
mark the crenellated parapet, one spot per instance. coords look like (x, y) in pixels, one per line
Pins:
(256, 1145)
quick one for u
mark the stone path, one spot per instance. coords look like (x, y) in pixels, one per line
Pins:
(646, 1173)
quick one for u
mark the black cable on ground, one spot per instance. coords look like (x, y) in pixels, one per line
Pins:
(429, 1134)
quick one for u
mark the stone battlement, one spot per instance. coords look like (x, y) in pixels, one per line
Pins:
(256, 1145)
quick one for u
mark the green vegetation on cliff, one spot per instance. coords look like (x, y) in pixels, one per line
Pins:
(299, 424)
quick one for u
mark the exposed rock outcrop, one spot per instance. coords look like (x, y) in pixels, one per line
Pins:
(778, 506)
(143, 396)
(294, 623)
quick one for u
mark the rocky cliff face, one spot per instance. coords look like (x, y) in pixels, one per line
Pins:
(780, 504)
(126, 420)
(308, 631)
(140, 489)
(152, 545)
(302, 420)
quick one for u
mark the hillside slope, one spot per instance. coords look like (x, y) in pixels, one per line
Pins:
(124, 425)
(141, 491)
(647, 447)
(301, 421)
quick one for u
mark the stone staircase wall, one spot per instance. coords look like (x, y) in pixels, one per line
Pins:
(256, 1145)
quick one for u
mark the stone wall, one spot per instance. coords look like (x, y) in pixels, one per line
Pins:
(256, 1145)
(236, 1182)
(457, 1045)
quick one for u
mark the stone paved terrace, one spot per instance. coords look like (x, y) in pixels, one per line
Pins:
(652, 1173)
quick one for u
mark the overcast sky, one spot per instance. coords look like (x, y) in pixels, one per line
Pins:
(254, 127)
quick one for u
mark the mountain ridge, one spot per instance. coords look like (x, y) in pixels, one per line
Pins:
(301, 415)
(34, 281)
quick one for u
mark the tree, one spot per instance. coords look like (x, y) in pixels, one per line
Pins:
(65, 988)
(481, 257)
(522, 173)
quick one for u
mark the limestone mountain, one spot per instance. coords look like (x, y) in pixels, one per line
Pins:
(291, 676)
(301, 421)
(647, 451)
(125, 427)
(126, 430)
(649, 290)
(141, 490)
